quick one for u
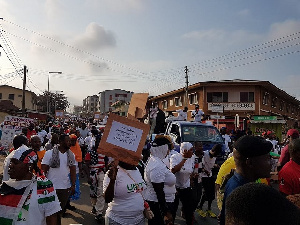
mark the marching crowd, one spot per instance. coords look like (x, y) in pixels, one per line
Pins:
(41, 178)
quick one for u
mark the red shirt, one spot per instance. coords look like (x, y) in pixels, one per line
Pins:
(285, 155)
(289, 178)
(30, 133)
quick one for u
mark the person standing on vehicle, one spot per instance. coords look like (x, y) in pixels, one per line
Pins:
(197, 114)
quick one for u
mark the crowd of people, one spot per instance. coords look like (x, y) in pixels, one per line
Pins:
(45, 167)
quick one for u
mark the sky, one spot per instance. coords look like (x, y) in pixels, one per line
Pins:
(145, 45)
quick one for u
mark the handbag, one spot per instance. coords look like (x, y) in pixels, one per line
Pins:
(148, 214)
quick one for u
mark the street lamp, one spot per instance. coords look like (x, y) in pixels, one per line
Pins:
(49, 88)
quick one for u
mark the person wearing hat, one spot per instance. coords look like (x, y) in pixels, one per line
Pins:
(252, 159)
(160, 192)
(28, 197)
(289, 175)
(285, 155)
(260, 204)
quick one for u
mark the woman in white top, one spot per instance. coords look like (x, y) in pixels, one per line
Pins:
(160, 192)
(182, 165)
(122, 187)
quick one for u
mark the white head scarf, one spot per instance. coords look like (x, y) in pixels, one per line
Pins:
(185, 146)
(159, 151)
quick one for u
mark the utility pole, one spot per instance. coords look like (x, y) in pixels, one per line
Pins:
(23, 96)
(186, 86)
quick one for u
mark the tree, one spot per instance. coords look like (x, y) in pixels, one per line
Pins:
(57, 101)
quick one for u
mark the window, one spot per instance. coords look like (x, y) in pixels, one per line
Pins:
(11, 96)
(0, 95)
(274, 102)
(19, 95)
(165, 104)
(247, 97)
(265, 100)
(281, 106)
(110, 103)
(193, 98)
(177, 101)
(110, 97)
(217, 97)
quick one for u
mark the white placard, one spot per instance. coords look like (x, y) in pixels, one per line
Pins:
(124, 136)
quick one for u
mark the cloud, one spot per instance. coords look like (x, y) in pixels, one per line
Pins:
(291, 85)
(53, 8)
(205, 34)
(118, 5)
(283, 28)
(244, 12)
(96, 67)
(94, 38)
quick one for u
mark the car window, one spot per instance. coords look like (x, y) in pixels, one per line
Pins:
(175, 133)
(191, 133)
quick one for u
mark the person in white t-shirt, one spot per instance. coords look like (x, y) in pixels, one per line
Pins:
(160, 192)
(197, 114)
(182, 115)
(57, 164)
(227, 139)
(196, 178)
(123, 186)
(182, 165)
(208, 182)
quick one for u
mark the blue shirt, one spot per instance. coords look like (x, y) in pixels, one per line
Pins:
(235, 181)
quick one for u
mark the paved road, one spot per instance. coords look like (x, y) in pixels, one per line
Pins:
(83, 216)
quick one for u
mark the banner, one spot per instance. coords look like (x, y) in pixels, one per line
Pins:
(123, 139)
(12, 126)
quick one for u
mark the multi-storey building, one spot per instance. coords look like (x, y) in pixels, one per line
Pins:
(228, 99)
(77, 110)
(90, 104)
(109, 97)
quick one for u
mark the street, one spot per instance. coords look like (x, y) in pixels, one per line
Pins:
(83, 214)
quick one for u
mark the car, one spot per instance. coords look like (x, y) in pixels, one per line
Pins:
(188, 131)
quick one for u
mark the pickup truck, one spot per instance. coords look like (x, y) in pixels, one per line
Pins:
(187, 131)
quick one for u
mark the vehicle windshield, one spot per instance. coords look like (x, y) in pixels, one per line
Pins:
(192, 133)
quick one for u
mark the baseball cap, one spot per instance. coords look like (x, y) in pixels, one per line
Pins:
(251, 146)
(293, 132)
(269, 132)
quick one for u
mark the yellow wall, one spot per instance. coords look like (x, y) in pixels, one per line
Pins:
(6, 90)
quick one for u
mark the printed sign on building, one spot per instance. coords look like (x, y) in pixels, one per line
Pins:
(246, 106)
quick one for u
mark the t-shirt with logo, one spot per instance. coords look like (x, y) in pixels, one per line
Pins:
(289, 178)
(128, 204)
